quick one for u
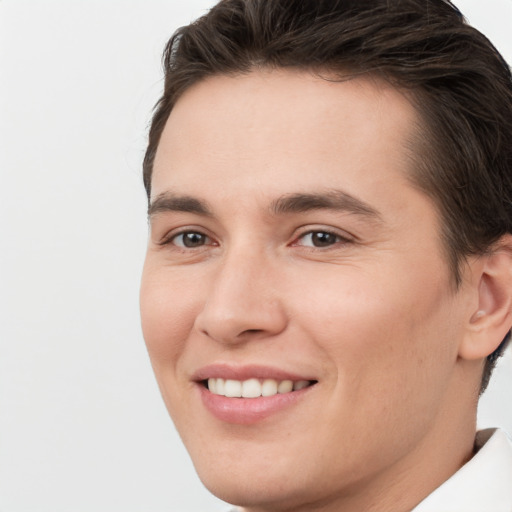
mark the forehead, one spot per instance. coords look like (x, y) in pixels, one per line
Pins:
(270, 128)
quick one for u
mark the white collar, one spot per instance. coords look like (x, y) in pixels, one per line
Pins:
(484, 484)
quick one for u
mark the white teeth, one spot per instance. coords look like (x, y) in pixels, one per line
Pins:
(254, 388)
(219, 386)
(285, 386)
(251, 388)
(233, 388)
(269, 387)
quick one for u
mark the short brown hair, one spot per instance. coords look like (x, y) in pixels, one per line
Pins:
(459, 83)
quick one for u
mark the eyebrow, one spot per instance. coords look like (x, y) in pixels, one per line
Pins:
(332, 200)
(336, 200)
(168, 202)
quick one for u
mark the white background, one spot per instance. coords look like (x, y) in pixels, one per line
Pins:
(82, 426)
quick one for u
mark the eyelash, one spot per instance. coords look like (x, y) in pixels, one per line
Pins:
(339, 239)
(171, 239)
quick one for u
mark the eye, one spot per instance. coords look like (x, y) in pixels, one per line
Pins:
(190, 239)
(320, 239)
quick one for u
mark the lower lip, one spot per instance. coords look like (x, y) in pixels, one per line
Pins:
(245, 411)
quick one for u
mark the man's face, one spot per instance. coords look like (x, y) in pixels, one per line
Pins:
(288, 244)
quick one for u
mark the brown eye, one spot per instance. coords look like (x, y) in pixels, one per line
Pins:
(319, 239)
(190, 239)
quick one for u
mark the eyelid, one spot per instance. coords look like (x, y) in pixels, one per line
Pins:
(168, 238)
(306, 230)
(301, 232)
(326, 229)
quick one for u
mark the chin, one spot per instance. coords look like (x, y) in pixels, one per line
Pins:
(251, 490)
(260, 477)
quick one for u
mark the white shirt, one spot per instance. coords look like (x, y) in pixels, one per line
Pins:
(484, 484)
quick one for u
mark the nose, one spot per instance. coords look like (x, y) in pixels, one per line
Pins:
(242, 301)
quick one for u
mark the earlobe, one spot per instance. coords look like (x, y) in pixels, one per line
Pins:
(492, 319)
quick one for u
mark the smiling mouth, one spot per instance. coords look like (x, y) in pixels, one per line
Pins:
(254, 388)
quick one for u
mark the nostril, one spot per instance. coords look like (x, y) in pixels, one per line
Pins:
(230, 322)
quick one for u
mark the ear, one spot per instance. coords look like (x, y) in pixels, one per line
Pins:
(492, 319)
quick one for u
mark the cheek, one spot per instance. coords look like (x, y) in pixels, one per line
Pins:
(167, 316)
(390, 352)
(382, 330)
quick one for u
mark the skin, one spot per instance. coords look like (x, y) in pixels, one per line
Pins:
(373, 316)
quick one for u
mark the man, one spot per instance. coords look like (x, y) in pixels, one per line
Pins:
(328, 280)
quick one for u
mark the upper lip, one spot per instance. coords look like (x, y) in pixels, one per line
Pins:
(228, 371)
